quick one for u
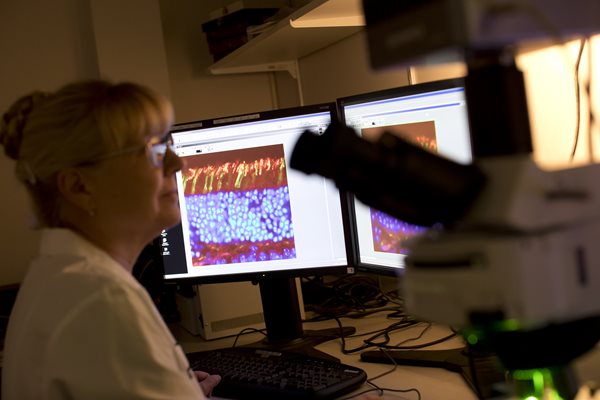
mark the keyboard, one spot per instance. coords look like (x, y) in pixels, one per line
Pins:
(251, 373)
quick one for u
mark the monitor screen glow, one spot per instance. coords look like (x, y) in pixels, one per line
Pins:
(432, 115)
(243, 211)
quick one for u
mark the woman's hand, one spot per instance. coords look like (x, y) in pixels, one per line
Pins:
(207, 382)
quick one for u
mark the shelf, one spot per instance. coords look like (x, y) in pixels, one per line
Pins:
(329, 13)
(315, 26)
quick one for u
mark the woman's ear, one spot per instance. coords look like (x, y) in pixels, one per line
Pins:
(77, 189)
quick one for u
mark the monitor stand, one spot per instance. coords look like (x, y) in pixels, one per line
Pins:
(283, 321)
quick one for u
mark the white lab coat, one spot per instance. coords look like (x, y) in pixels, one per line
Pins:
(84, 328)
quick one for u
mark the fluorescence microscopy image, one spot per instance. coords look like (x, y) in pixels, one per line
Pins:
(238, 206)
(389, 233)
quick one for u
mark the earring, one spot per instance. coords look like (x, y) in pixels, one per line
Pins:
(91, 208)
(91, 212)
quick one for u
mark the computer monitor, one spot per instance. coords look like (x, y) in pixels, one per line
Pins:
(246, 216)
(432, 115)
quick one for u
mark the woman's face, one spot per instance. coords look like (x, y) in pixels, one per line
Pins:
(136, 197)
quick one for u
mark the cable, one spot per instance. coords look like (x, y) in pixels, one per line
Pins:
(553, 30)
(588, 90)
(371, 333)
(382, 390)
(380, 339)
(577, 99)
(416, 346)
(347, 295)
(422, 346)
(325, 316)
(368, 343)
(246, 331)
(386, 334)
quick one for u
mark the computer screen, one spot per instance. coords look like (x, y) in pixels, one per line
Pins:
(432, 115)
(245, 215)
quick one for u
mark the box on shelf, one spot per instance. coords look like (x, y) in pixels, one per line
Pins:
(246, 4)
(228, 29)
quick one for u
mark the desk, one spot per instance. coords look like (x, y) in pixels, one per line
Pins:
(433, 383)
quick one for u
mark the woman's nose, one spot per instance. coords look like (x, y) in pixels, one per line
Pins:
(172, 163)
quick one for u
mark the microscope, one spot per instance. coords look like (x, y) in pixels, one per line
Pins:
(510, 258)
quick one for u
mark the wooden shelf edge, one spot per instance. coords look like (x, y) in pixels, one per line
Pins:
(262, 54)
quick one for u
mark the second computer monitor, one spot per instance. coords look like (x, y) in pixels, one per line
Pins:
(432, 115)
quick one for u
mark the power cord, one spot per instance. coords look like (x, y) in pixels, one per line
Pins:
(381, 390)
(582, 43)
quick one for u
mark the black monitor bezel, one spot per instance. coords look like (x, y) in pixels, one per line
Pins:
(257, 277)
(349, 201)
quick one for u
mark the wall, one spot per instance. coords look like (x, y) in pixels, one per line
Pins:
(43, 44)
(128, 39)
(342, 69)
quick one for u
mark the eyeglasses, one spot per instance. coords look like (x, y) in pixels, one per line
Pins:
(155, 148)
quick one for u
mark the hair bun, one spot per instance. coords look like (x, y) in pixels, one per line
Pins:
(14, 120)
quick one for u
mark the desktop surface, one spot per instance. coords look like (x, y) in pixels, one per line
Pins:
(432, 383)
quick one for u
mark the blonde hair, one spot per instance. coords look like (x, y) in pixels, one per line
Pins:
(47, 132)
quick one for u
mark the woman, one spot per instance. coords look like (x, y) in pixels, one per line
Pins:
(95, 160)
